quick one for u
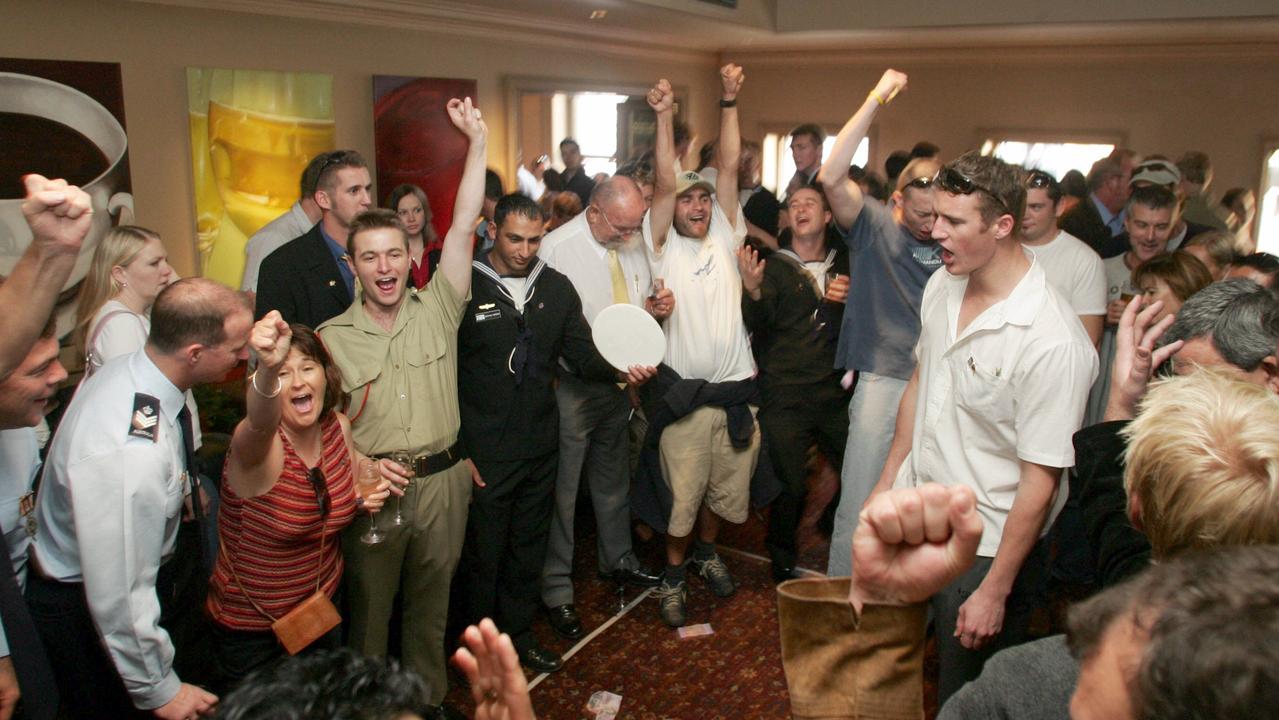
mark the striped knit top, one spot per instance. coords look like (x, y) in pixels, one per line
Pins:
(274, 539)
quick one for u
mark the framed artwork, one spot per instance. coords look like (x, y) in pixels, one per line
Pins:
(416, 143)
(252, 134)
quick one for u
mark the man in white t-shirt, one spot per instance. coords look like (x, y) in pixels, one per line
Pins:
(708, 455)
(1071, 266)
(1004, 368)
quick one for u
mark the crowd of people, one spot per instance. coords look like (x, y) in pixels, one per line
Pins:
(422, 412)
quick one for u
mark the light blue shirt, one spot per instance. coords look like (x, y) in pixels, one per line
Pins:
(108, 513)
(1114, 222)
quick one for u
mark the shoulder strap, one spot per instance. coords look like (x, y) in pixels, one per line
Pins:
(236, 576)
(93, 337)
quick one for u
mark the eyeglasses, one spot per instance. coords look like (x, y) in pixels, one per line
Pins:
(623, 233)
(953, 181)
(321, 487)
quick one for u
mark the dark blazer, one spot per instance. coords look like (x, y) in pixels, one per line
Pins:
(1084, 222)
(1119, 550)
(301, 280)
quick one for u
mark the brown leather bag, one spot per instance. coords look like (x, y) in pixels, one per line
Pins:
(305, 623)
(839, 666)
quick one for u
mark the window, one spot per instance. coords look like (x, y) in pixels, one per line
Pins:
(1268, 205)
(1057, 158)
(590, 118)
(779, 167)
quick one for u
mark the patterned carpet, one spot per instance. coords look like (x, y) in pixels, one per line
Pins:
(734, 673)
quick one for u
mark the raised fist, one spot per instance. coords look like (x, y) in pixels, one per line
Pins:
(661, 98)
(59, 214)
(731, 76)
(467, 118)
(889, 85)
(270, 340)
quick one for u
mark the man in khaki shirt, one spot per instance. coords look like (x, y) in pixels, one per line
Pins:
(397, 349)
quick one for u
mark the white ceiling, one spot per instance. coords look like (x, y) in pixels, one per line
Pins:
(704, 28)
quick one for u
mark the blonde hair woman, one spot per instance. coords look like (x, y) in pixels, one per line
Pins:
(113, 317)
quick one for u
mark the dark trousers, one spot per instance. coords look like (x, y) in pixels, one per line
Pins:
(88, 683)
(239, 653)
(958, 664)
(793, 419)
(505, 548)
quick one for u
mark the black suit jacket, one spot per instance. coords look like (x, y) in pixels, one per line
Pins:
(1084, 222)
(1119, 550)
(301, 280)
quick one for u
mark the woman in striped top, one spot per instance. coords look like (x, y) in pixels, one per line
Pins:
(288, 489)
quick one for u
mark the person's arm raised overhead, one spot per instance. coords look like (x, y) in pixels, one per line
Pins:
(455, 257)
(662, 99)
(60, 216)
(729, 145)
(844, 195)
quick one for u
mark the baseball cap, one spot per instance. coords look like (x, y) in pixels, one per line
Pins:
(1156, 172)
(688, 180)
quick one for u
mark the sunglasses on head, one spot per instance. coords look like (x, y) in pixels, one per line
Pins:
(1039, 179)
(957, 183)
(921, 183)
(321, 487)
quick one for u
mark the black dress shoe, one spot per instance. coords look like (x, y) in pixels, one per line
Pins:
(539, 659)
(639, 577)
(782, 573)
(564, 620)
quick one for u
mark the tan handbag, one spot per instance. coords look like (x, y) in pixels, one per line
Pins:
(305, 623)
(840, 666)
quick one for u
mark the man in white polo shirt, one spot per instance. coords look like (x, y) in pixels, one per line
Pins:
(708, 455)
(1004, 367)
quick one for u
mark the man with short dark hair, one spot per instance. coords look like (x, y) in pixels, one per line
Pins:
(1099, 218)
(523, 316)
(397, 349)
(574, 176)
(891, 254)
(295, 222)
(1003, 372)
(108, 510)
(308, 279)
(1071, 266)
(806, 150)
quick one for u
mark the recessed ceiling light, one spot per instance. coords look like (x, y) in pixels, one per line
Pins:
(598, 14)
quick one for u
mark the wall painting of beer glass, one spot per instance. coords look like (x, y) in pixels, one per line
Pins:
(252, 134)
(416, 143)
(62, 120)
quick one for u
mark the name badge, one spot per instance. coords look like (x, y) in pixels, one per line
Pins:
(488, 315)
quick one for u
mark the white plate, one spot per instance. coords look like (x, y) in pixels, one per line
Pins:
(627, 335)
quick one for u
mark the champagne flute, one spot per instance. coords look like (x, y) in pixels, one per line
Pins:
(370, 478)
(406, 461)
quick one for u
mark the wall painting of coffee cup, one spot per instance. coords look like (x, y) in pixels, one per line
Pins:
(252, 134)
(62, 120)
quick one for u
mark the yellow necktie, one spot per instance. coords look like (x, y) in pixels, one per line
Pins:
(619, 279)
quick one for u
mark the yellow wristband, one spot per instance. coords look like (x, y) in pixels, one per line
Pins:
(882, 102)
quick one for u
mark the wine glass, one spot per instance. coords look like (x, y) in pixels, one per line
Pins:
(370, 477)
(406, 461)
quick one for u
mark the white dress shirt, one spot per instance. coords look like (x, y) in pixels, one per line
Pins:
(108, 513)
(573, 250)
(1010, 388)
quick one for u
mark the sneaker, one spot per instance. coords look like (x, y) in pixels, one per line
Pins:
(670, 602)
(716, 574)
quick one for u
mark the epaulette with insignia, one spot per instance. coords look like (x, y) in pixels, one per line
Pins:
(146, 415)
